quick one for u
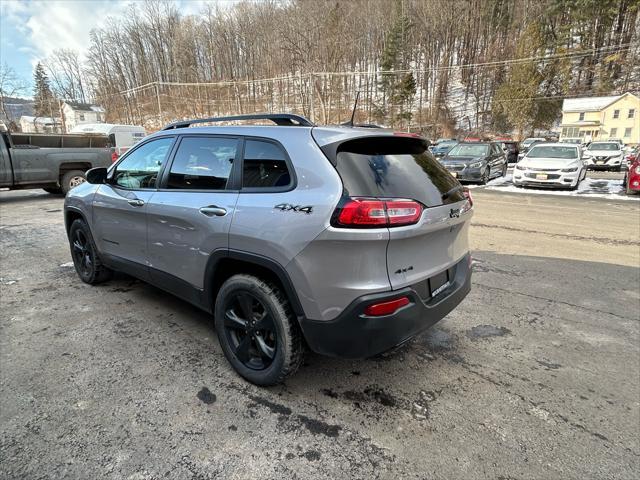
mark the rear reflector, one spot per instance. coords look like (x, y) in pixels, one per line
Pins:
(372, 213)
(386, 308)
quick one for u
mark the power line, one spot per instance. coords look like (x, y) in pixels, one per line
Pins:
(310, 75)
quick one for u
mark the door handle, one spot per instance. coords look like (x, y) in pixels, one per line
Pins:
(213, 211)
(135, 202)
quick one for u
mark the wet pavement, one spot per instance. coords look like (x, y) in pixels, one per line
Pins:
(533, 376)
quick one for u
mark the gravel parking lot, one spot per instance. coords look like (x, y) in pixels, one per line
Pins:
(535, 375)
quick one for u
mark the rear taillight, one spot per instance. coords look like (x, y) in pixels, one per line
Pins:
(114, 157)
(386, 308)
(372, 213)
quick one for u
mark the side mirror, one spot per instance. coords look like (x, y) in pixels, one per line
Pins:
(97, 175)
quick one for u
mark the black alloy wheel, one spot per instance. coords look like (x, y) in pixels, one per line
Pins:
(83, 257)
(485, 176)
(250, 331)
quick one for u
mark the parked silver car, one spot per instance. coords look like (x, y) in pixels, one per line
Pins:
(351, 240)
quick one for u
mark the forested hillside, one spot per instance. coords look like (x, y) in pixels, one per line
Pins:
(437, 65)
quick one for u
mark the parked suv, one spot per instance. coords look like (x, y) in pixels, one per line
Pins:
(351, 240)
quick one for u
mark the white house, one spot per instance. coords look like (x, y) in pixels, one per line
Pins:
(30, 124)
(76, 113)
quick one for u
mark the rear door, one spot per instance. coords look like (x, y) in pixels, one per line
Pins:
(190, 215)
(388, 167)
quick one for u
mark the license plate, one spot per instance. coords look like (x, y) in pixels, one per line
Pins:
(600, 162)
(438, 283)
(541, 176)
(455, 174)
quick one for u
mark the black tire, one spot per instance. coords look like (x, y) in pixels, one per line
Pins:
(53, 190)
(85, 254)
(71, 179)
(257, 330)
(486, 176)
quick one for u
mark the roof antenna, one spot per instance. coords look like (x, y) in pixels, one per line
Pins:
(353, 113)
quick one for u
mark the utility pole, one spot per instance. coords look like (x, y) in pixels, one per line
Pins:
(311, 85)
(159, 105)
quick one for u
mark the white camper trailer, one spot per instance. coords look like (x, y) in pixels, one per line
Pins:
(121, 137)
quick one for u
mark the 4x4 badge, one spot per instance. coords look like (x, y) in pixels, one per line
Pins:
(454, 213)
(287, 207)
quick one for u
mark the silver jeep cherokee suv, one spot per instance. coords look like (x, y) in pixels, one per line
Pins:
(351, 240)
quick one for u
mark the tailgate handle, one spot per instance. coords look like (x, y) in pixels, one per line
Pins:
(213, 211)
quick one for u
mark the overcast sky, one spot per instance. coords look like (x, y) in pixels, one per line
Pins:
(31, 29)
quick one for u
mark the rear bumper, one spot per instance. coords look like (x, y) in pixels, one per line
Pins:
(355, 335)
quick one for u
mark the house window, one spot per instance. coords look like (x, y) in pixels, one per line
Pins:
(632, 113)
(581, 116)
(614, 132)
(616, 114)
(627, 132)
(82, 117)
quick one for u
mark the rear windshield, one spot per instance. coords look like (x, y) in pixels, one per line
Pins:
(395, 168)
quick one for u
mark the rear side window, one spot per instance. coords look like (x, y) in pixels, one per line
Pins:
(395, 168)
(264, 166)
(202, 163)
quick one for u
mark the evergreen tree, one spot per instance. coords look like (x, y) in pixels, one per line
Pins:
(396, 89)
(42, 95)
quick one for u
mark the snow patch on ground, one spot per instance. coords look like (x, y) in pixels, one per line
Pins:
(589, 187)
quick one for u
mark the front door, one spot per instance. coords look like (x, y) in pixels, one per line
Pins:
(190, 215)
(120, 206)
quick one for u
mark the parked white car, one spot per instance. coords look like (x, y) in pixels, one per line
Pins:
(604, 155)
(551, 165)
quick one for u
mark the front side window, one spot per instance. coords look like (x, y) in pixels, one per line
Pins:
(264, 165)
(140, 168)
(632, 113)
(203, 163)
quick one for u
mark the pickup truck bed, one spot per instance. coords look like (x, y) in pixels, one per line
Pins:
(56, 169)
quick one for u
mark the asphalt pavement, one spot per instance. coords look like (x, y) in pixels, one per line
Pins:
(533, 376)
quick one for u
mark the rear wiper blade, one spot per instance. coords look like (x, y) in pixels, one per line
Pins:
(446, 195)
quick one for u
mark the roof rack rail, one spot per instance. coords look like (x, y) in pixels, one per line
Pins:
(280, 119)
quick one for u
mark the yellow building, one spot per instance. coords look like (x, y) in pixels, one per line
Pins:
(601, 118)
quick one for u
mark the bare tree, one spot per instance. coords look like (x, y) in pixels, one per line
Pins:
(10, 86)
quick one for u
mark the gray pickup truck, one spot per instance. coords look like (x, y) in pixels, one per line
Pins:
(55, 163)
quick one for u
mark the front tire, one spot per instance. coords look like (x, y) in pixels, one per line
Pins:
(257, 330)
(85, 254)
(485, 176)
(71, 179)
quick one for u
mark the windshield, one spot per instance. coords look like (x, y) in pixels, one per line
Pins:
(553, 151)
(604, 146)
(466, 150)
